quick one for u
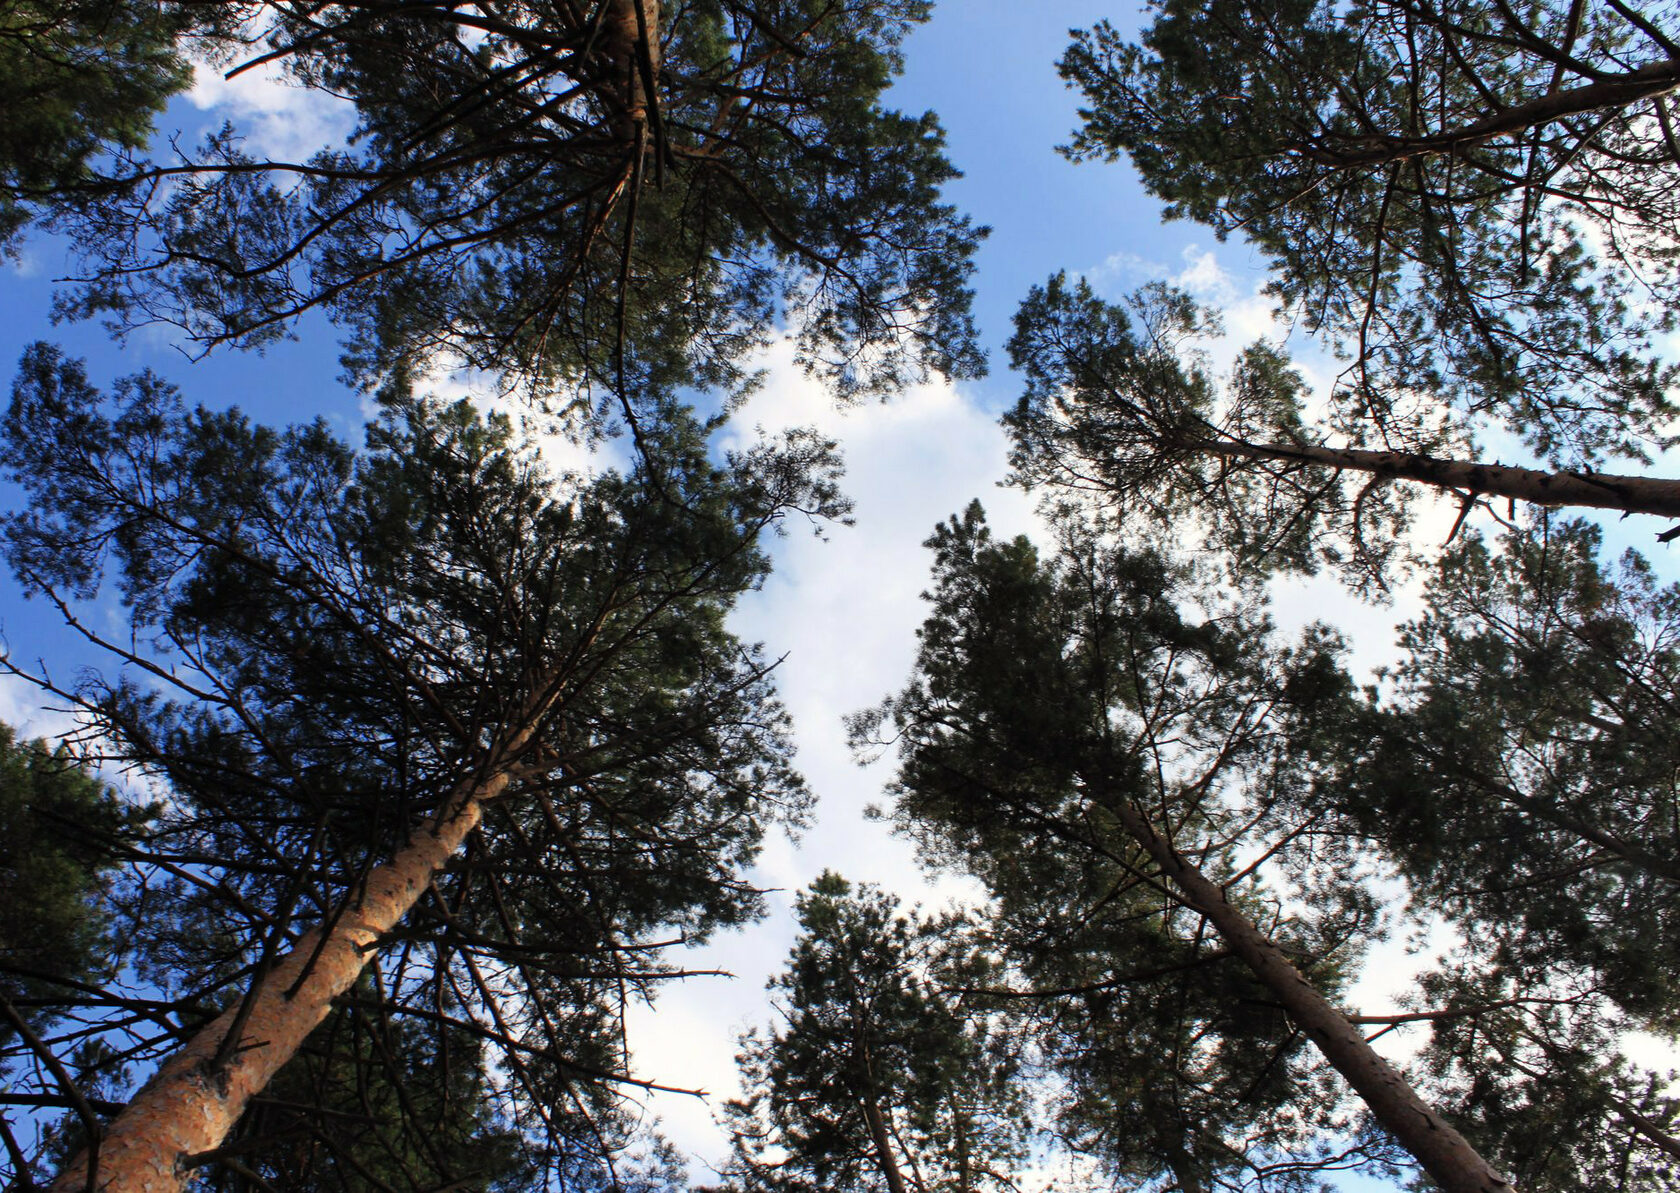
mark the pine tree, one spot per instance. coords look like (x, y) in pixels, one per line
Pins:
(61, 835)
(428, 718)
(591, 200)
(1474, 201)
(883, 1076)
(1532, 1065)
(1076, 720)
(1519, 771)
(1515, 772)
(80, 80)
(1121, 406)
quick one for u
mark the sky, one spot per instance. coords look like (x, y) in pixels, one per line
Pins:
(845, 608)
(842, 607)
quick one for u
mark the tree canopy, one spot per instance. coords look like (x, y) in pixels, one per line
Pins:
(1122, 407)
(1474, 201)
(80, 81)
(424, 756)
(1182, 824)
(587, 199)
(1519, 770)
(883, 1074)
(340, 659)
(1099, 733)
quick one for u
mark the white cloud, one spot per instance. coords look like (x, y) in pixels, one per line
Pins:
(1204, 277)
(278, 119)
(1247, 312)
(25, 708)
(844, 609)
(1122, 272)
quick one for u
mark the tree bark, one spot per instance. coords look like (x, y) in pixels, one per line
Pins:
(1619, 91)
(1648, 1127)
(878, 1127)
(189, 1105)
(1184, 1172)
(631, 44)
(1595, 490)
(1443, 1152)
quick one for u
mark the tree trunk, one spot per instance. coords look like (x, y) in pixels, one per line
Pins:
(189, 1106)
(1595, 490)
(965, 1167)
(631, 43)
(1610, 91)
(1443, 1152)
(883, 1146)
(878, 1126)
(1184, 1172)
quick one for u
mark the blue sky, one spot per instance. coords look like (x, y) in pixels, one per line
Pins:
(843, 609)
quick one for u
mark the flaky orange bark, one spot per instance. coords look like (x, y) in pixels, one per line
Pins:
(631, 24)
(189, 1106)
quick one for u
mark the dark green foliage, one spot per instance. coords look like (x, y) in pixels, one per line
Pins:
(1475, 201)
(1120, 404)
(373, 1104)
(882, 1064)
(515, 196)
(1518, 774)
(1052, 698)
(79, 79)
(1536, 1075)
(62, 835)
(63, 831)
(326, 643)
(1523, 775)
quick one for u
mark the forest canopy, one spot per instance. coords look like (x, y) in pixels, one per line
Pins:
(404, 758)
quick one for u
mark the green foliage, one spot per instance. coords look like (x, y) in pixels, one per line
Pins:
(63, 833)
(885, 1062)
(1522, 775)
(79, 80)
(326, 643)
(515, 196)
(373, 1104)
(1055, 698)
(1120, 404)
(1536, 1075)
(1475, 202)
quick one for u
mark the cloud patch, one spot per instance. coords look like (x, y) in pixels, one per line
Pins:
(278, 119)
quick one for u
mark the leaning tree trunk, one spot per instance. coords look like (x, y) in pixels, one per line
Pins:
(193, 1101)
(1593, 490)
(1445, 1154)
(877, 1124)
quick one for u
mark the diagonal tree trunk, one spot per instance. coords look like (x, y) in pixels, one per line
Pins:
(192, 1102)
(874, 1120)
(1594, 490)
(1609, 91)
(1445, 1154)
(887, 1162)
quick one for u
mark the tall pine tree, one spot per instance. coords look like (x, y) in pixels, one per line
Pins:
(884, 1074)
(590, 199)
(1081, 722)
(429, 720)
(1474, 201)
